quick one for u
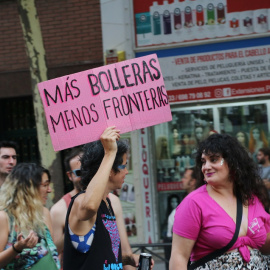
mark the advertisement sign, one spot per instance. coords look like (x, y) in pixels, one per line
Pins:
(148, 211)
(217, 71)
(129, 95)
(177, 21)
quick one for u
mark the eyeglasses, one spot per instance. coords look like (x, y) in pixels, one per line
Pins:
(77, 172)
(122, 167)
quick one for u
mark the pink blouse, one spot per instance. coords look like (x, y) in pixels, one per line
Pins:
(200, 218)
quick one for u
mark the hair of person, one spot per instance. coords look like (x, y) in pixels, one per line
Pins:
(169, 207)
(72, 154)
(245, 136)
(252, 141)
(242, 169)
(91, 159)
(194, 173)
(20, 197)
(265, 151)
(159, 147)
(8, 144)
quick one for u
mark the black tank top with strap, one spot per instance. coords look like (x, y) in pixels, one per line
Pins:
(105, 251)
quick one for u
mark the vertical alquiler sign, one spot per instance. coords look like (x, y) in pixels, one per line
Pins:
(148, 211)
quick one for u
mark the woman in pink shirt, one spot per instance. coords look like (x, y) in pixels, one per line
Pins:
(206, 219)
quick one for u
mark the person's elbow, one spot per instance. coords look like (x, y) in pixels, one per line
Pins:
(177, 262)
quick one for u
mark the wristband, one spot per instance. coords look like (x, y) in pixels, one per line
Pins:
(15, 249)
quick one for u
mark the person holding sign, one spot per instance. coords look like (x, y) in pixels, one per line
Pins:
(225, 224)
(91, 234)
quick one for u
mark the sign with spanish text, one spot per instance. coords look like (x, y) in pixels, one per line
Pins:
(129, 95)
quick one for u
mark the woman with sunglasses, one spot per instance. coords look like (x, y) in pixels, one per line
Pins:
(91, 235)
(25, 224)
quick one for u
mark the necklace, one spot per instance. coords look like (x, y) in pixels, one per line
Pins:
(108, 207)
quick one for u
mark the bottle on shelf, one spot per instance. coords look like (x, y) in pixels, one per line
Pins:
(155, 12)
(167, 23)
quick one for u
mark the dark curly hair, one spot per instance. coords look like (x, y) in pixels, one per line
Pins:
(93, 154)
(243, 171)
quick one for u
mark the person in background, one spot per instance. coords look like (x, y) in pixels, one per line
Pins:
(209, 212)
(59, 210)
(263, 157)
(257, 140)
(25, 224)
(189, 184)
(242, 138)
(8, 159)
(90, 216)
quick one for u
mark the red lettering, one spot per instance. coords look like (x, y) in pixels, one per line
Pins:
(147, 197)
(142, 131)
(143, 145)
(146, 184)
(145, 169)
(144, 156)
(147, 211)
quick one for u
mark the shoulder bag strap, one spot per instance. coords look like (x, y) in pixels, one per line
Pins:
(221, 251)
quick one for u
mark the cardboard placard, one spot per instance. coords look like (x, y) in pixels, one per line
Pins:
(129, 95)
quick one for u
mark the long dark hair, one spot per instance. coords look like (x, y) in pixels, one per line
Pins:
(243, 171)
(169, 207)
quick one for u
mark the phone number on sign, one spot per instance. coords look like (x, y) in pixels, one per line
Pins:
(189, 96)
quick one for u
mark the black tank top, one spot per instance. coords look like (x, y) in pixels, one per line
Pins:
(105, 251)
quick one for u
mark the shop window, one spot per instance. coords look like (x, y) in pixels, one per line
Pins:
(248, 123)
(176, 144)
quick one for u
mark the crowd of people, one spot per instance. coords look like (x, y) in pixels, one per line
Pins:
(84, 229)
(222, 223)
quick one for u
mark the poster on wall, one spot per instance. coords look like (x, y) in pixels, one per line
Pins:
(177, 21)
(217, 71)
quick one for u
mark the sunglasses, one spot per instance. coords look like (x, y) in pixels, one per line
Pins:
(77, 172)
(122, 167)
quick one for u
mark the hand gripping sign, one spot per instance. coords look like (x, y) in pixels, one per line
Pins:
(129, 95)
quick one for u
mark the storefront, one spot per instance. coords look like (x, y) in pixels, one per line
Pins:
(176, 141)
(215, 61)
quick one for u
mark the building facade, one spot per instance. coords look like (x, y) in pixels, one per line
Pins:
(72, 40)
(214, 57)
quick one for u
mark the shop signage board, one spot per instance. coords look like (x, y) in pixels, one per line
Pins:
(217, 71)
(129, 95)
(177, 21)
(146, 182)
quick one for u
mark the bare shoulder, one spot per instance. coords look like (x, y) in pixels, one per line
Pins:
(114, 198)
(116, 204)
(3, 217)
(46, 212)
(59, 208)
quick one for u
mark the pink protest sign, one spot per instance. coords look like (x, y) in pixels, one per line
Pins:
(129, 95)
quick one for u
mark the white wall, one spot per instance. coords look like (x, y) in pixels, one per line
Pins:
(117, 26)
